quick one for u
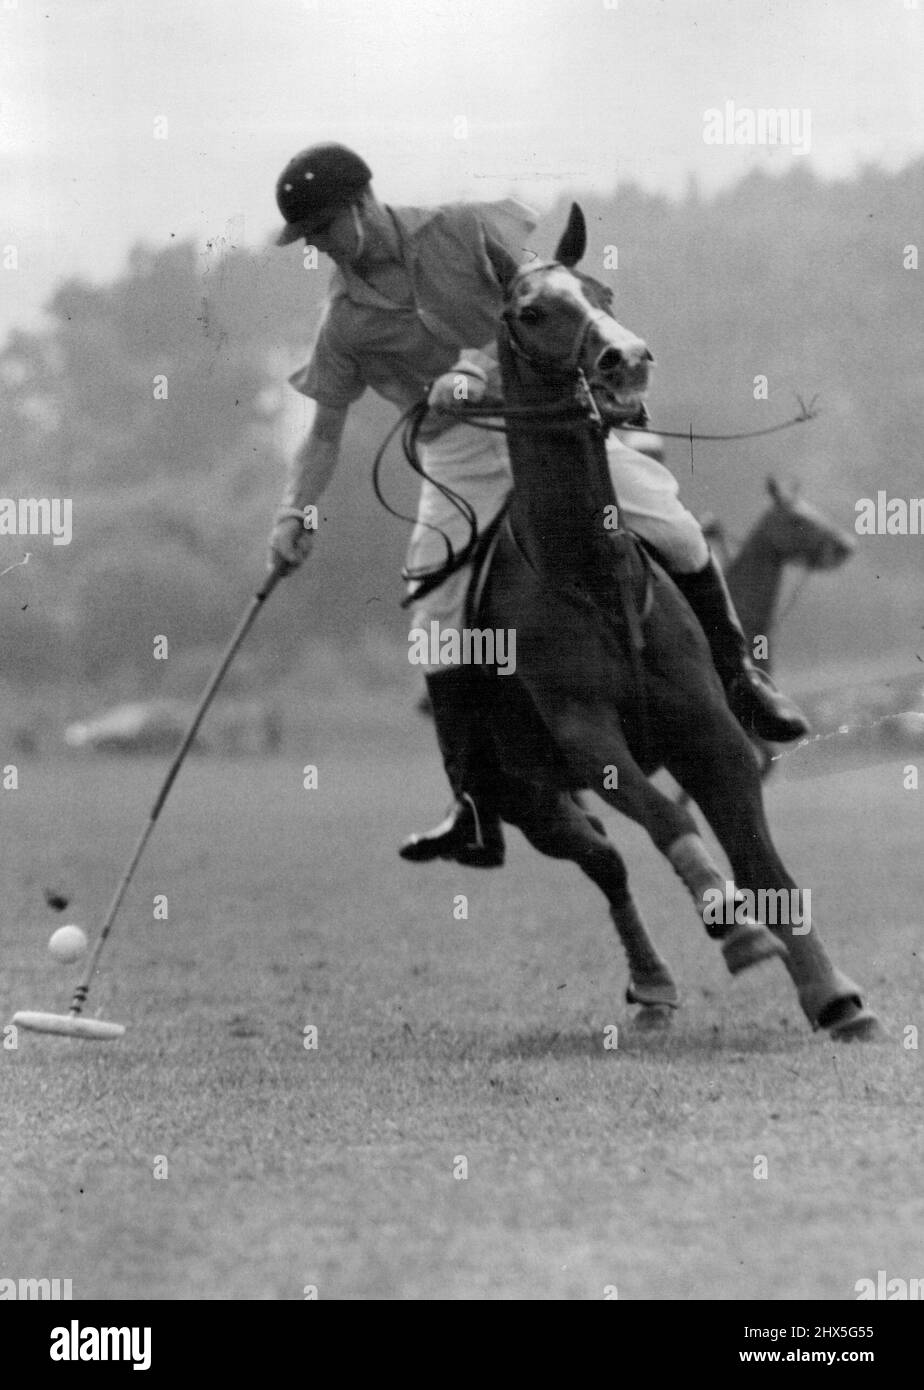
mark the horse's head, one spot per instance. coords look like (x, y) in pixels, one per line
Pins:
(560, 321)
(802, 534)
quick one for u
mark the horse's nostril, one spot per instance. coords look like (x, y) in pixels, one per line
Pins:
(647, 355)
(610, 360)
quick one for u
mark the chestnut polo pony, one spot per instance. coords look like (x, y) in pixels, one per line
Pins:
(614, 678)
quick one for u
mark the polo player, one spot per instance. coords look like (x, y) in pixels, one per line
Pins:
(413, 303)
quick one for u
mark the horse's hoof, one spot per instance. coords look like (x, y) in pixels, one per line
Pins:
(750, 944)
(658, 999)
(659, 994)
(654, 1018)
(860, 1026)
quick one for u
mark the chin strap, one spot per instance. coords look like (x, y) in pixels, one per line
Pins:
(360, 231)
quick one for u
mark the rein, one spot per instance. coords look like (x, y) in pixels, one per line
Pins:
(581, 404)
(493, 409)
(410, 424)
(805, 413)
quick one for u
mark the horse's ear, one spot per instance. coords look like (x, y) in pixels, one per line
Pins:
(773, 488)
(502, 263)
(573, 243)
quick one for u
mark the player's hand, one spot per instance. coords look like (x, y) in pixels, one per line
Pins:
(290, 541)
(465, 385)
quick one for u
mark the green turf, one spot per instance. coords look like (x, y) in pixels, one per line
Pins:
(439, 1038)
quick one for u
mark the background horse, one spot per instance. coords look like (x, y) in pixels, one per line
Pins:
(614, 677)
(789, 533)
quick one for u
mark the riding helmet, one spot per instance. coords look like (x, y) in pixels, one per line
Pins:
(315, 184)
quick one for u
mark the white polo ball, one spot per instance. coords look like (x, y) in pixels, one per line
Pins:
(68, 944)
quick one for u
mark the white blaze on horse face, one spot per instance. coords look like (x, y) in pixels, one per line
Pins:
(550, 316)
(567, 328)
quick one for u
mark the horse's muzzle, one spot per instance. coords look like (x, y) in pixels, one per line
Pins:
(621, 370)
(616, 359)
(619, 378)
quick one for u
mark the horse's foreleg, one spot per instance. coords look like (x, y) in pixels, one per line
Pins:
(558, 826)
(726, 786)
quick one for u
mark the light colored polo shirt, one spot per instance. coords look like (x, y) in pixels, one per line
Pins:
(367, 340)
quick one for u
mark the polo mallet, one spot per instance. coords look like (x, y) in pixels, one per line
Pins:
(72, 1024)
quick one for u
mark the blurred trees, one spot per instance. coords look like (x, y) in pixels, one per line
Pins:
(792, 278)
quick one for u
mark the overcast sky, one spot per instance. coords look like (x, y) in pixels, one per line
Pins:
(558, 95)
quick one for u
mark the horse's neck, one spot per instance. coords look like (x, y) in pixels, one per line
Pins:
(754, 578)
(562, 487)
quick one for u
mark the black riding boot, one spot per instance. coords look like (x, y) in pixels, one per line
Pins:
(759, 707)
(471, 833)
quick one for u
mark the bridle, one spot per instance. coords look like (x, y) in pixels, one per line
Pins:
(571, 366)
(577, 404)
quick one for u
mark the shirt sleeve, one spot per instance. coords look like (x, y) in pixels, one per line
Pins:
(507, 224)
(331, 376)
(511, 223)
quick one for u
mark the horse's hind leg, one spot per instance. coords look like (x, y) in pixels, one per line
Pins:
(593, 744)
(558, 826)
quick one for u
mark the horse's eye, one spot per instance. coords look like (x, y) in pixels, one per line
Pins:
(530, 314)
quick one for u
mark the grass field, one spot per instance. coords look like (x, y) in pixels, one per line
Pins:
(438, 1039)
